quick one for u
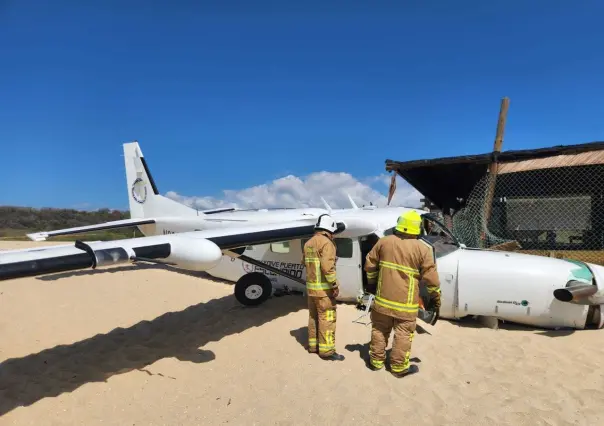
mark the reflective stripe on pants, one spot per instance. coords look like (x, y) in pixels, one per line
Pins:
(322, 325)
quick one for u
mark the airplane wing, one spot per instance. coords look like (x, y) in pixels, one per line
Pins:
(116, 224)
(41, 236)
(196, 251)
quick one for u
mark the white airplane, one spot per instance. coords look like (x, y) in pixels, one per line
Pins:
(261, 250)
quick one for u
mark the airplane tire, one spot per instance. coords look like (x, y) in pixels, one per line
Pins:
(253, 289)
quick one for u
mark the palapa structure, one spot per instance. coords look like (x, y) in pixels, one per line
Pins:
(547, 201)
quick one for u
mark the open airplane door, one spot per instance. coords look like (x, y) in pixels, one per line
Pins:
(348, 263)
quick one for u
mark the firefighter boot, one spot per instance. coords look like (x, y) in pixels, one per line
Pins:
(411, 370)
(371, 366)
(333, 357)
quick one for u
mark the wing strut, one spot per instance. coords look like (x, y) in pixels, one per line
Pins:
(263, 265)
(85, 247)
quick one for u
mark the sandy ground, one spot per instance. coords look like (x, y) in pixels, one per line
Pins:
(154, 346)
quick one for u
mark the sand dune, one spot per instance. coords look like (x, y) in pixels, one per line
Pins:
(155, 346)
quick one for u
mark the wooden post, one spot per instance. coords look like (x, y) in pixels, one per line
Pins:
(503, 112)
(392, 188)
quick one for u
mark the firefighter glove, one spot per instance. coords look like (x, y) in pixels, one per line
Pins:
(435, 301)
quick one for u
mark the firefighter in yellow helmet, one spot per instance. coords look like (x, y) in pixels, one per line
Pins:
(319, 257)
(394, 267)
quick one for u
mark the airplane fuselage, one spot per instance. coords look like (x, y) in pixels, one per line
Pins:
(261, 250)
(509, 286)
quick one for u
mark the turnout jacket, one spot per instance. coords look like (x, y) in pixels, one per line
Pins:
(397, 264)
(319, 257)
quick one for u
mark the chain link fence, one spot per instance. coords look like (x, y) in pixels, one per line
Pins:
(556, 212)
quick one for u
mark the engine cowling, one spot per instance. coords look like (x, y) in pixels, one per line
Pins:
(193, 254)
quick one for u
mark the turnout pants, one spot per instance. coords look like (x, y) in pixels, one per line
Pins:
(322, 325)
(404, 330)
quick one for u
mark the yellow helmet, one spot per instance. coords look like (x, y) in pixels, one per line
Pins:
(409, 223)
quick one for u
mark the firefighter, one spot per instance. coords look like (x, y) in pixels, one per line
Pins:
(322, 286)
(394, 267)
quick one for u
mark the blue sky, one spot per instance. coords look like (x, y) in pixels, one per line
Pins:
(229, 97)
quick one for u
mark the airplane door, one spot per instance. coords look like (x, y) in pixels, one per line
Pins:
(446, 265)
(348, 268)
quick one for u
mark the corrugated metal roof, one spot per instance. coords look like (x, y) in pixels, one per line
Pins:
(581, 159)
(445, 181)
(502, 157)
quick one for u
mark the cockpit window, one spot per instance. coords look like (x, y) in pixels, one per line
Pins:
(437, 234)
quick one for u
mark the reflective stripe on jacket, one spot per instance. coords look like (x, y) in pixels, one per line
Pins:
(319, 257)
(398, 264)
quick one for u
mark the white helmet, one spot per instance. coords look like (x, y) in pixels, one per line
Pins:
(326, 223)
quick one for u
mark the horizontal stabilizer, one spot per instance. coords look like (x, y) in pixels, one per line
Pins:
(220, 210)
(42, 236)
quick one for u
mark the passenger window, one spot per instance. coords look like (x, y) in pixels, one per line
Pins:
(282, 248)
(343, 247)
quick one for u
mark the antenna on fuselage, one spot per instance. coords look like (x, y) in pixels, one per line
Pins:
(354, 205)
(326, 205)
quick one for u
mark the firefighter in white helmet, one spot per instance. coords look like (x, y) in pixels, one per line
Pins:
(319, 257)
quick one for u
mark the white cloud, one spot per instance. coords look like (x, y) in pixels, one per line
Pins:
(293, 191)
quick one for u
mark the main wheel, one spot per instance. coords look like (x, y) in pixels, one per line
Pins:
(253, 289)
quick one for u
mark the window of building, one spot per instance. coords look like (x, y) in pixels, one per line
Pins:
(564, 213)
(548, 223)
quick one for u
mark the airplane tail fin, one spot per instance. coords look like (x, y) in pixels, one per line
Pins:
(144, 198)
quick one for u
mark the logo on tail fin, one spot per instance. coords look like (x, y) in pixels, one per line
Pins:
(139, 191)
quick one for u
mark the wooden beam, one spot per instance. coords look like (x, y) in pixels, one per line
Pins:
(503, 112)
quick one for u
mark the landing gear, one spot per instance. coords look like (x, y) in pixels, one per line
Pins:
(253, 289)
(594, 318)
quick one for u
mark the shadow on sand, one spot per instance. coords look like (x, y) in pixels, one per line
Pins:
(301, 336)
(470, 322)
(64, 368)
(363, 350)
